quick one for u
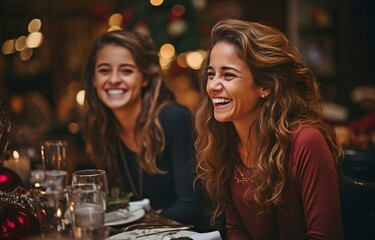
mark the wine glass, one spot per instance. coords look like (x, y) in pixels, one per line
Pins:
(86, 204)
(93, 176)
(54, 164)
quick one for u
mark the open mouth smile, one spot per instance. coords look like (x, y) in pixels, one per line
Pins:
(115, 92)
(221, 101)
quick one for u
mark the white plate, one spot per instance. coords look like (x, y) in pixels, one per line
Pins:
(135, 213)
(131, 235)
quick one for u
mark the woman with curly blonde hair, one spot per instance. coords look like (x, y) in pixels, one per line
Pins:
(263, 152)
(135, 129)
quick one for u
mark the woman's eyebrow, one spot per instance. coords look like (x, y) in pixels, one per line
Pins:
(225, 68)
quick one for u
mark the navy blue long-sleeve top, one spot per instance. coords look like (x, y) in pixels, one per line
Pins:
(172, 191)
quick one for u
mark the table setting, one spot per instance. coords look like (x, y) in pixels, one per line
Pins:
(82, 209)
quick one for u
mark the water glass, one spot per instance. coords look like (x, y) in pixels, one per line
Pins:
(54, 164)
(87, 211)
(92, 176)
(51, 206)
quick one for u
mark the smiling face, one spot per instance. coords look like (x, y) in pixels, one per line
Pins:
(231, 86)
(117, 79)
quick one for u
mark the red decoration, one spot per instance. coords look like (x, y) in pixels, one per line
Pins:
(100, 13)
(17, 223)
(173, 17)
(127, 15)
(9, 180)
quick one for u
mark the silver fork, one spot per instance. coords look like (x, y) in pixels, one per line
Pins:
(171, 230)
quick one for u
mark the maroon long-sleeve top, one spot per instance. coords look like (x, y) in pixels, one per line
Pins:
(311, 201)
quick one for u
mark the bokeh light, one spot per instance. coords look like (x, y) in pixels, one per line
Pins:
(167, 51)
(34, 25)
(34, 40)
(20, 43)
(156, 2)
(8, 47)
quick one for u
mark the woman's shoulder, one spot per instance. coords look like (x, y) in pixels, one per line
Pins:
(306, 135)
(173, 110)
(176, 119)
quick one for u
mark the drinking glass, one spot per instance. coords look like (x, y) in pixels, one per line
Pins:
(93, 176)
(54, 164)
(51, 206)
(87, 211)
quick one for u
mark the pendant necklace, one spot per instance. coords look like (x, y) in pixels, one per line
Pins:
(138, 195)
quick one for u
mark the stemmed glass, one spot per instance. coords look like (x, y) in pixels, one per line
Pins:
(92, 176)
(54, 164)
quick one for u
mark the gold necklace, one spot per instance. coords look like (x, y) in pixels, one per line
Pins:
(138, 195)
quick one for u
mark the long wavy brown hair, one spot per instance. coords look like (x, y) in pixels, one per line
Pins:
(101, 128)
(294, 101)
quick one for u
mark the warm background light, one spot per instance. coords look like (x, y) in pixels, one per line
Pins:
(34, 40)
(20, 43)
(34, 25)
(115, 20)
(26, 54)
(80, 97)
(194, 59)
(8, 47)
(167, 51)
(156, 2)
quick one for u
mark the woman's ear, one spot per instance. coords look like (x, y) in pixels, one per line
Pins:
(145, 82)
(265, 92)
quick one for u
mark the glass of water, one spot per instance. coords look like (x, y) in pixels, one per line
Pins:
(54, 164)
(51, 206)
(87, 211)
(92, 176)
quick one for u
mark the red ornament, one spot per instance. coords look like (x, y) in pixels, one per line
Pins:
(173, 17)
(9, 180)
(17, 223)
(127, 15)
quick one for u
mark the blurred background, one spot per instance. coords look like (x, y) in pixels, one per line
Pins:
(44, 45)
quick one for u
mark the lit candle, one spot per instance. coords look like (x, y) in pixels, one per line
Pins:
(20, 164)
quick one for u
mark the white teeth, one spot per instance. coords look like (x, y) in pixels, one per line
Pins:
(115, 92)
(220, 100)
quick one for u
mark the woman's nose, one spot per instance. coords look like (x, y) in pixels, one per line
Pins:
(114, 78)
(214, 85)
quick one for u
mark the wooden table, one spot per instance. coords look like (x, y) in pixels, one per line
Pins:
(150, 217)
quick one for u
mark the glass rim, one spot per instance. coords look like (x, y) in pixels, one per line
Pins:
(89, 172)
(54, 142)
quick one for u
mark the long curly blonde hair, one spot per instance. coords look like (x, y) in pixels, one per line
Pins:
(101, 128)
(294, 101)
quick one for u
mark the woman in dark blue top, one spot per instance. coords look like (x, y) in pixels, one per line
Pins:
(171, 191)
(136, 131)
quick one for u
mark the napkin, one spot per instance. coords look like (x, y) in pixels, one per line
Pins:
(120, 214)
(215, 235)
(144, 203)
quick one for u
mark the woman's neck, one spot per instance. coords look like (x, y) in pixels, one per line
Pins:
(247, 144)
(127, 119)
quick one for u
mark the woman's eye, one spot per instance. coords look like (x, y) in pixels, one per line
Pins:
(103, 70)
(210, 75)
(126, 71)
(229, 76)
